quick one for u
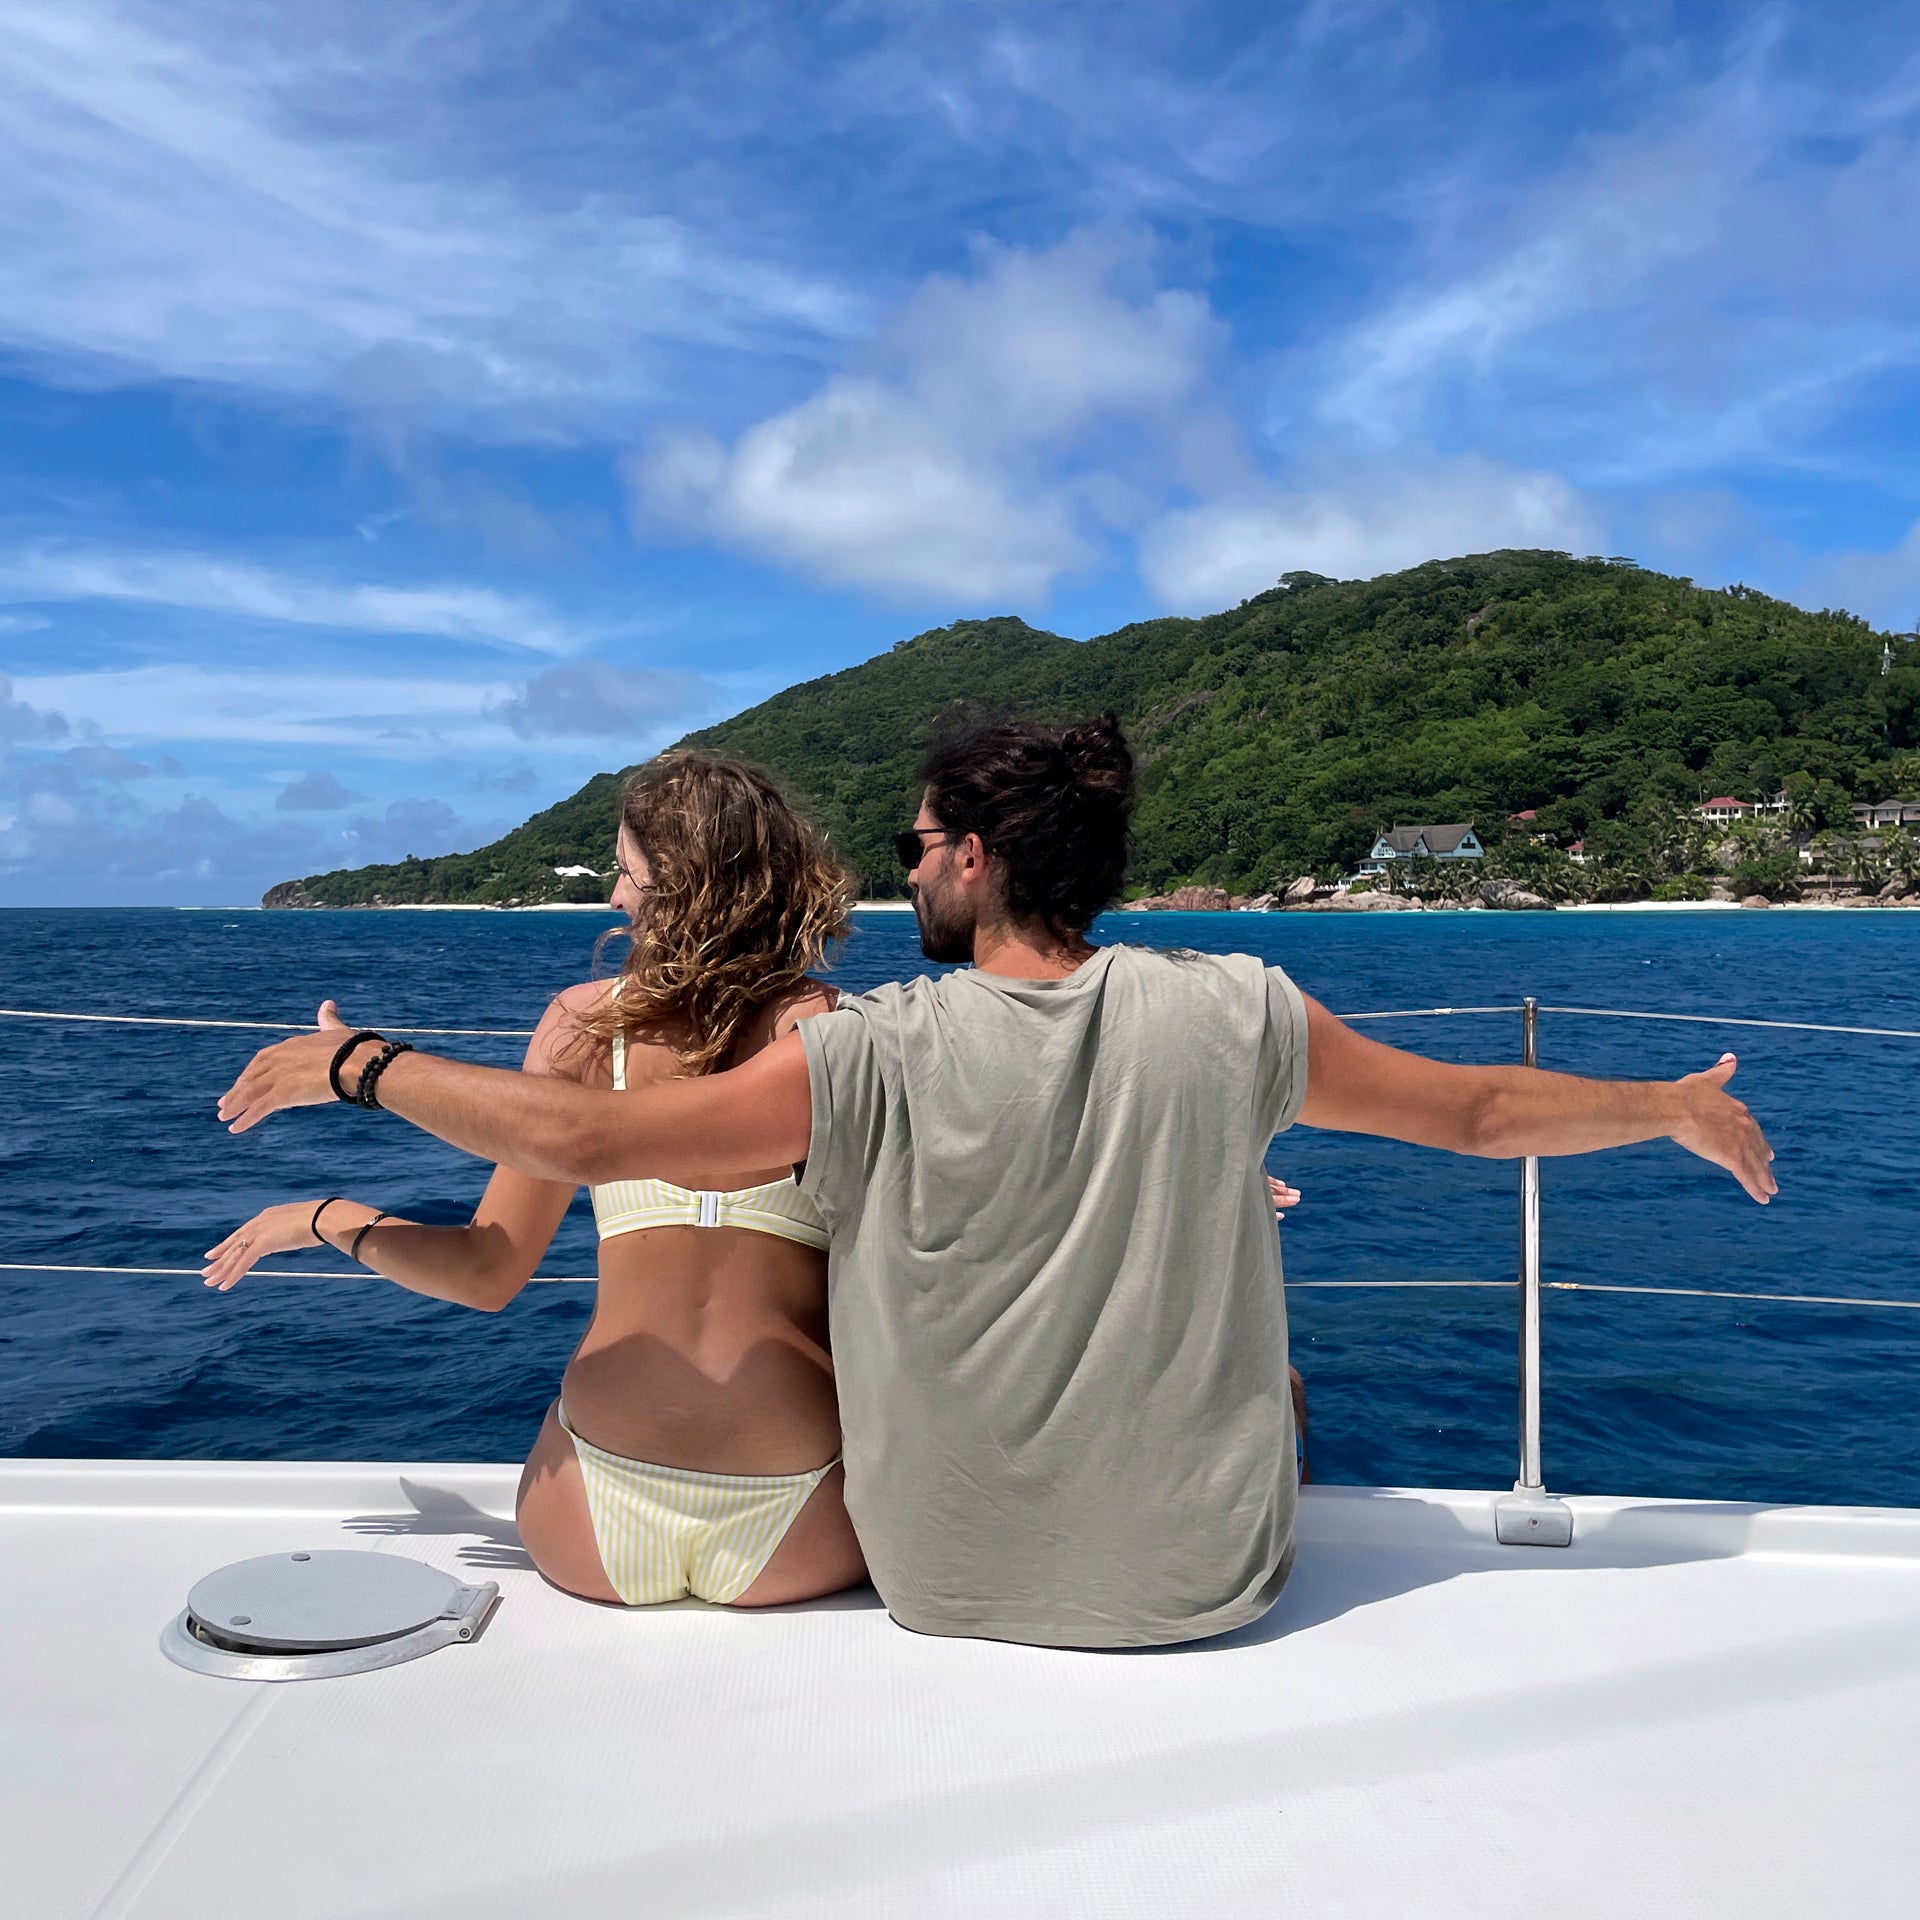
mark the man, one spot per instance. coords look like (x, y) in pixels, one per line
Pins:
(1057, 1316)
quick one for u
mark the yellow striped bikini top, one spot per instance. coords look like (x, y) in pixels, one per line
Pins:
(627, 1206)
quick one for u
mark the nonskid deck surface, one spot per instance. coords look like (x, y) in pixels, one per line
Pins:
(1698, 1709)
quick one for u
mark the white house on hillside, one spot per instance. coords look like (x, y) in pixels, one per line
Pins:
(1457, 842)
(1888, 813)
(1725, 810)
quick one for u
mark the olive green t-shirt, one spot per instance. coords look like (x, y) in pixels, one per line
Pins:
(1058, 1328)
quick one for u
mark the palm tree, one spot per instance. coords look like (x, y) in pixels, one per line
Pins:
(1864, 865)
(1900, 853)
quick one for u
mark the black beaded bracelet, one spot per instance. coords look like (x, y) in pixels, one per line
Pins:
(313, 1225)
(353, 1251)
(340, 1060)
(364, 1093)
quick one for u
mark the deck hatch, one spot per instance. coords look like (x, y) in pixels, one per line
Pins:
(310, 1615)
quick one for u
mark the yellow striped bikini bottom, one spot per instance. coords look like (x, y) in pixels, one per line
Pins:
(667, 1532)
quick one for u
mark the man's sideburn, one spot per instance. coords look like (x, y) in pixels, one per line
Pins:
(946, 932)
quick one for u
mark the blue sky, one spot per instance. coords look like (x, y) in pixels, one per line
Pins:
(406, 412)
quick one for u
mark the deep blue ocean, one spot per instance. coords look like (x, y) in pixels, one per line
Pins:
(110, 1153)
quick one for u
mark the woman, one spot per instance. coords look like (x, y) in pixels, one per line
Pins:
(695, 1445)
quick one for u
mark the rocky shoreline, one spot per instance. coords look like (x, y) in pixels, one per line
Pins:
(1498, 896)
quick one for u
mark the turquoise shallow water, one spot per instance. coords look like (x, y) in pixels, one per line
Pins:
(109, 1152)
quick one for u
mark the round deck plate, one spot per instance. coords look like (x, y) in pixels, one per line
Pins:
(307, 1602)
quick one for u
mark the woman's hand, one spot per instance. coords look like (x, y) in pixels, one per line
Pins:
(1284, 1196)
(277, 1230)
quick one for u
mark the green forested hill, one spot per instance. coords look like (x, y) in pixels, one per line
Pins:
(1277, 737)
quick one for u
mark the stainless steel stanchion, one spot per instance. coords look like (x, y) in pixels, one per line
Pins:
(1529, 1516)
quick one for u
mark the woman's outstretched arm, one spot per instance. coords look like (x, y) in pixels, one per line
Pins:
(483, 1264)
(752, 1116)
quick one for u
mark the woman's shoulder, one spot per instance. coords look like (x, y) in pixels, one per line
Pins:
(809, 998)
(588, 997)
(564, 1042)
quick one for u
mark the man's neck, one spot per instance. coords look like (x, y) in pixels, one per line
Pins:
(1029, 952)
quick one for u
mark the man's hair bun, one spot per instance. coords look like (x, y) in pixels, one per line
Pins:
(1097, 751)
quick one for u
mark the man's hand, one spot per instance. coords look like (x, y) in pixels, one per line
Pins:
(1718, 1127)
(291, 1073)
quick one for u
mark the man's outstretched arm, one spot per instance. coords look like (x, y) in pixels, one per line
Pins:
(1355, 1085)
(751, 1117)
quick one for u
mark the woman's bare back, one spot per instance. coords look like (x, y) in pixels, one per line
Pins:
(708, 1350)
(708, 1345)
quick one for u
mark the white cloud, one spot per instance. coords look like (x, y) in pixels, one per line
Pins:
(68, 838)
(517, 776)
(20, 721)
(860, 487)
(1364, 522)
(320, 792)
(175, 206)
(206, 584)
(408, 827)
(947, 464)
(593, 699)
(102, 762)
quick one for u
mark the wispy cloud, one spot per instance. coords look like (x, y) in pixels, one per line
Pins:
(1711, 284)
(177, 208)
(207, 584)
(404, 717)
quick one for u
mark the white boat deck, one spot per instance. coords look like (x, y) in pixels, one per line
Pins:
(1698, 1709)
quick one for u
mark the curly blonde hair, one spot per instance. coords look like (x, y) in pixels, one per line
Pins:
(745, 901)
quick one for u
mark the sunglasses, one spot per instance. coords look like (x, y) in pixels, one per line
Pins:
(909, 847)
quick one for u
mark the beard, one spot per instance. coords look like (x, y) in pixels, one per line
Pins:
(945, 934)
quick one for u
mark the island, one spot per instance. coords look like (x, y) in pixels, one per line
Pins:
(1578, 714)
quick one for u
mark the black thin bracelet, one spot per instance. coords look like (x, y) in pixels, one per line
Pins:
(353, 1252)
(313, 1225)
(340, 1060)
(370, 1074)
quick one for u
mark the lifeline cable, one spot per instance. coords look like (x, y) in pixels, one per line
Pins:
(588, 1280)
(255, 1026)
(1391, 1013)
(1736, 1020)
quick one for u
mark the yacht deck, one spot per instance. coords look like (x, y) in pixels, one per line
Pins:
(1697, 1709)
